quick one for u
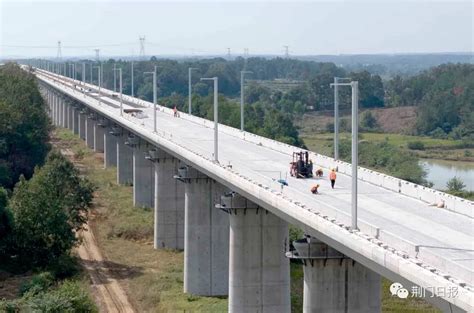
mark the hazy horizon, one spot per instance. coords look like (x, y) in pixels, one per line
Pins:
(208, 28)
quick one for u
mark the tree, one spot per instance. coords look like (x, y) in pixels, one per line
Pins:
(5, 223)
(455, 184)
(48, 210)
(24, 125)
(368, 121)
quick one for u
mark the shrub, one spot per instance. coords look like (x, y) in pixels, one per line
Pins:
(68, 297)
(416, 145)
(467, 153)
(64, 266)
(438, 133)
(368, 121)
(330, 127)
(79, 155)
(295, 233)
(455, 184)
(37, 284)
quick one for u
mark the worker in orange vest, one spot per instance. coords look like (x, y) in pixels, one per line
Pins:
(332, 177)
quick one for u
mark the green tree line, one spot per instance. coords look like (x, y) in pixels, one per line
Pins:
(444, 97)
(24, 125)
(43, 203)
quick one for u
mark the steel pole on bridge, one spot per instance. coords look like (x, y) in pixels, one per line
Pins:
(242, 74)
(132, 78)
(216, 117)
(336, 119)
(154, 97)
(120, 86)
(190, 69)
(355, 145)
(99, 70)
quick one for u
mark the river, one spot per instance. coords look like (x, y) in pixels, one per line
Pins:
(440, 171)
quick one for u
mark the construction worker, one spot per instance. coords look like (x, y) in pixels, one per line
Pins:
(332, 177)
(319, 172)
(314, 189)
(175, 111)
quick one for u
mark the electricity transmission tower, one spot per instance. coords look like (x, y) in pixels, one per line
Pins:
(142, 47)
(97, 57)
(228, 53)
(59, 55)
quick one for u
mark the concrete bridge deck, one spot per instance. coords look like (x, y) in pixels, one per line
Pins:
(401, 237)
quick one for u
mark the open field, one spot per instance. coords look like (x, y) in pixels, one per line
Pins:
(153, 278)
(390, 120)
(433, 148)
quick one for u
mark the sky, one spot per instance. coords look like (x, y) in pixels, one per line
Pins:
(33, 28)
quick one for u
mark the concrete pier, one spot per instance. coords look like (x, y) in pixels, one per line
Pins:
(70, 109)
(124, 161)
(75, 120)
(58, 111)
(63, 112)
(90, 122)
(99, 129)
(206, 236)
(82, 116)
(111, 134)
(143, 174)
(334, 283)
(67, 118)
(259, 272)
(168, 202)
(54, 109)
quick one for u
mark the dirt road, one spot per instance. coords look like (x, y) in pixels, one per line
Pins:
(110, 295)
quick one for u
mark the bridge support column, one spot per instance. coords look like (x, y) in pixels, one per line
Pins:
(143, 182)
(206, 235)
(259, 272)
(124, 161)
(69, 120)
(63, 112)
(59, 110)
(99, 129)
(82, 117)
(168, 202)
(56, 113)
(90, 122)
(53, 108)
(111, 134)
(334, 282)
(75, 120)
(67, 107)
(50, 102)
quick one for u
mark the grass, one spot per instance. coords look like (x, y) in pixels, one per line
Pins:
(409, 305)
(154, 278)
